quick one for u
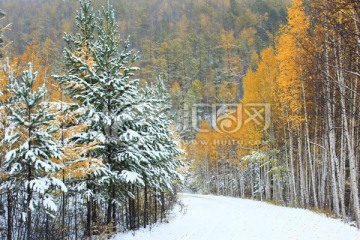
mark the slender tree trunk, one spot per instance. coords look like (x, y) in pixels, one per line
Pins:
(88, 231)
(267, 182)
(29, 190)
(47, 228)
(10, 216)
(138, 207)
(109, 211)
(63, 230)
(29, 198)
(349, 140)
(301, 170)
(76, 225)
(114, 217)
(288, 192)
(332, 137)
(292, 167)
(162, 195)
(312, 171)
(145, 205)
(324, 171)
(342, 174)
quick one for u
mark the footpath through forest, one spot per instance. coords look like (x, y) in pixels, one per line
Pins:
(204, 217)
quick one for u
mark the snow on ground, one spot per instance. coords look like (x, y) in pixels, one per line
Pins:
(225, 218)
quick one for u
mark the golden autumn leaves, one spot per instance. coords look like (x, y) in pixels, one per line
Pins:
(276, 83)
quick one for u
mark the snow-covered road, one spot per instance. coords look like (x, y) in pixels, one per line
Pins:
(224, 218)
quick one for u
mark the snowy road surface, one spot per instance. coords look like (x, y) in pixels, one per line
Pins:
(224, 218)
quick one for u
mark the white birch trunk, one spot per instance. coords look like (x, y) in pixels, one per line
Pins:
(349, 140)
(332, 139)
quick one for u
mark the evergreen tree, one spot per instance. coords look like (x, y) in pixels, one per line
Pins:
(133, 139)
(32, 161)
(84, 82)
(163, 149)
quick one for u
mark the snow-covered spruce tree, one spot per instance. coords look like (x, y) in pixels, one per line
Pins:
(132, 130)
(99, 71)
(32, 161)
(148, 152)
(81, 83)
(164, 150)
(79, 164)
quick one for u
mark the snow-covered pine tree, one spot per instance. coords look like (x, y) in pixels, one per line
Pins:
(99, 71)
(77, 159)
(145, 154)
(32, 162)
(131, 128)
(154, 153)
(159, 146)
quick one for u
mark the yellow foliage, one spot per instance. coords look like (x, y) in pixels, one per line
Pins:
(289, 52)
(40, 59)
(76, 157)
(175, 88)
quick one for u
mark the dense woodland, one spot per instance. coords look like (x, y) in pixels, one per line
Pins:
(300, 59)
(309, 156)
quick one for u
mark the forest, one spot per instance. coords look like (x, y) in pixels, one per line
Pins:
(109, 108)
